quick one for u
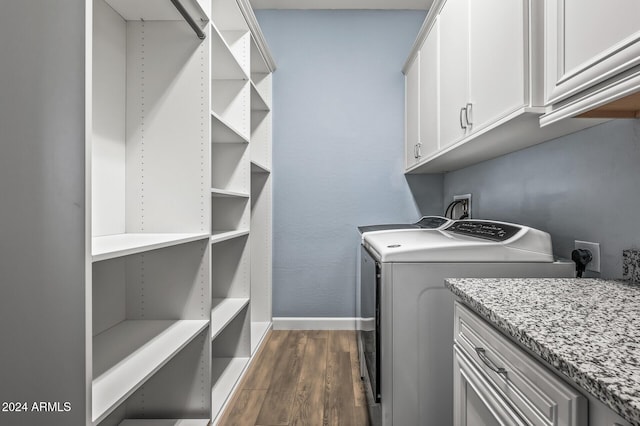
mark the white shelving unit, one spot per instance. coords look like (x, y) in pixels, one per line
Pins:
(261, 198)
(149, 176)
(139, 289)
(237, 100)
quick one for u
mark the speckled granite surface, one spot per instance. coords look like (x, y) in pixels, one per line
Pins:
(588, 329)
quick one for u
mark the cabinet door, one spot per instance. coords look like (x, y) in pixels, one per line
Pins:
(454, 63)
(496, 60)
(588, 41)
(474, 401)
(412, 112)
(429, 81)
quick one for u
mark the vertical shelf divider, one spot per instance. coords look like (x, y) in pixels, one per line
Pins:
(230, 201)
(241, 199)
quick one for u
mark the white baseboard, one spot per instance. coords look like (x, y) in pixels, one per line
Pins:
(320, 323)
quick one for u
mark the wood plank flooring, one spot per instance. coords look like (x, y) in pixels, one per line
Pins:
(301, 378)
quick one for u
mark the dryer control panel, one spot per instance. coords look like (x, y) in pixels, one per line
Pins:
(493, 231)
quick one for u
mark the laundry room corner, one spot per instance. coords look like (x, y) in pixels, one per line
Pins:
(338, 158)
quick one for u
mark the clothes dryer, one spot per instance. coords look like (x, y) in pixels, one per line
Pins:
(408, 353)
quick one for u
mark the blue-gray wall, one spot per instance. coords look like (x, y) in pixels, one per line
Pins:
(584, 186)
(337, 151)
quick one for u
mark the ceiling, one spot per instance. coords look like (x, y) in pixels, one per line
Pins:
(341, 4)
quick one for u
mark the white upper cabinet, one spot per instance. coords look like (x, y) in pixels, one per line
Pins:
(454, 65)
(592, 52)
(412, 112)
(481, 84)
(497, 53)
(422, 88)
(429, 90)
(473, 73)
(589, 41)
(482, 63)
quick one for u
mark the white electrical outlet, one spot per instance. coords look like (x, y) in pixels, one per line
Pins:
(594, 248)
(461, 208)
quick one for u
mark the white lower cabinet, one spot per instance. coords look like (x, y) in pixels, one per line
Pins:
(496, 383)
(494, 379)
(475, 401)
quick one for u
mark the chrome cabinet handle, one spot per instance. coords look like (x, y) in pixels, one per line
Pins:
(419, 146)
(467, 115)
(482, 354)
(462, 111)
(415, 150)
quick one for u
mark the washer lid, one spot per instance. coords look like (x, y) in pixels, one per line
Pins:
(426, 222)
(463, 241)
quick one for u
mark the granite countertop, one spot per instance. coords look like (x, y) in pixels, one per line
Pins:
(587, 329)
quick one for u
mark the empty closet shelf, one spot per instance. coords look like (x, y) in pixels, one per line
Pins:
(126, 355)
(112, 246)
(223, 311)
(219, 236)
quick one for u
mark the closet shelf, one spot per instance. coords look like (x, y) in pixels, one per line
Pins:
(112, 246)
(220, 236)
(163, 422)
(257, 100)
(259, 168)
(215, 192)
(225, 373)
(223, 132)
(224, 311)
(128, 354)
(226, 66)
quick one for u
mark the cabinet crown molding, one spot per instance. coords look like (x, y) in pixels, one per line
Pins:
(256, 32)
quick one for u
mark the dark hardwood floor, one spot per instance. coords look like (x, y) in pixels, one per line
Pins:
(301, 378)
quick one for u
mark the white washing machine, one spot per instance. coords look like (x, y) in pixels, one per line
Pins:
(408, 354)
(365, 309)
